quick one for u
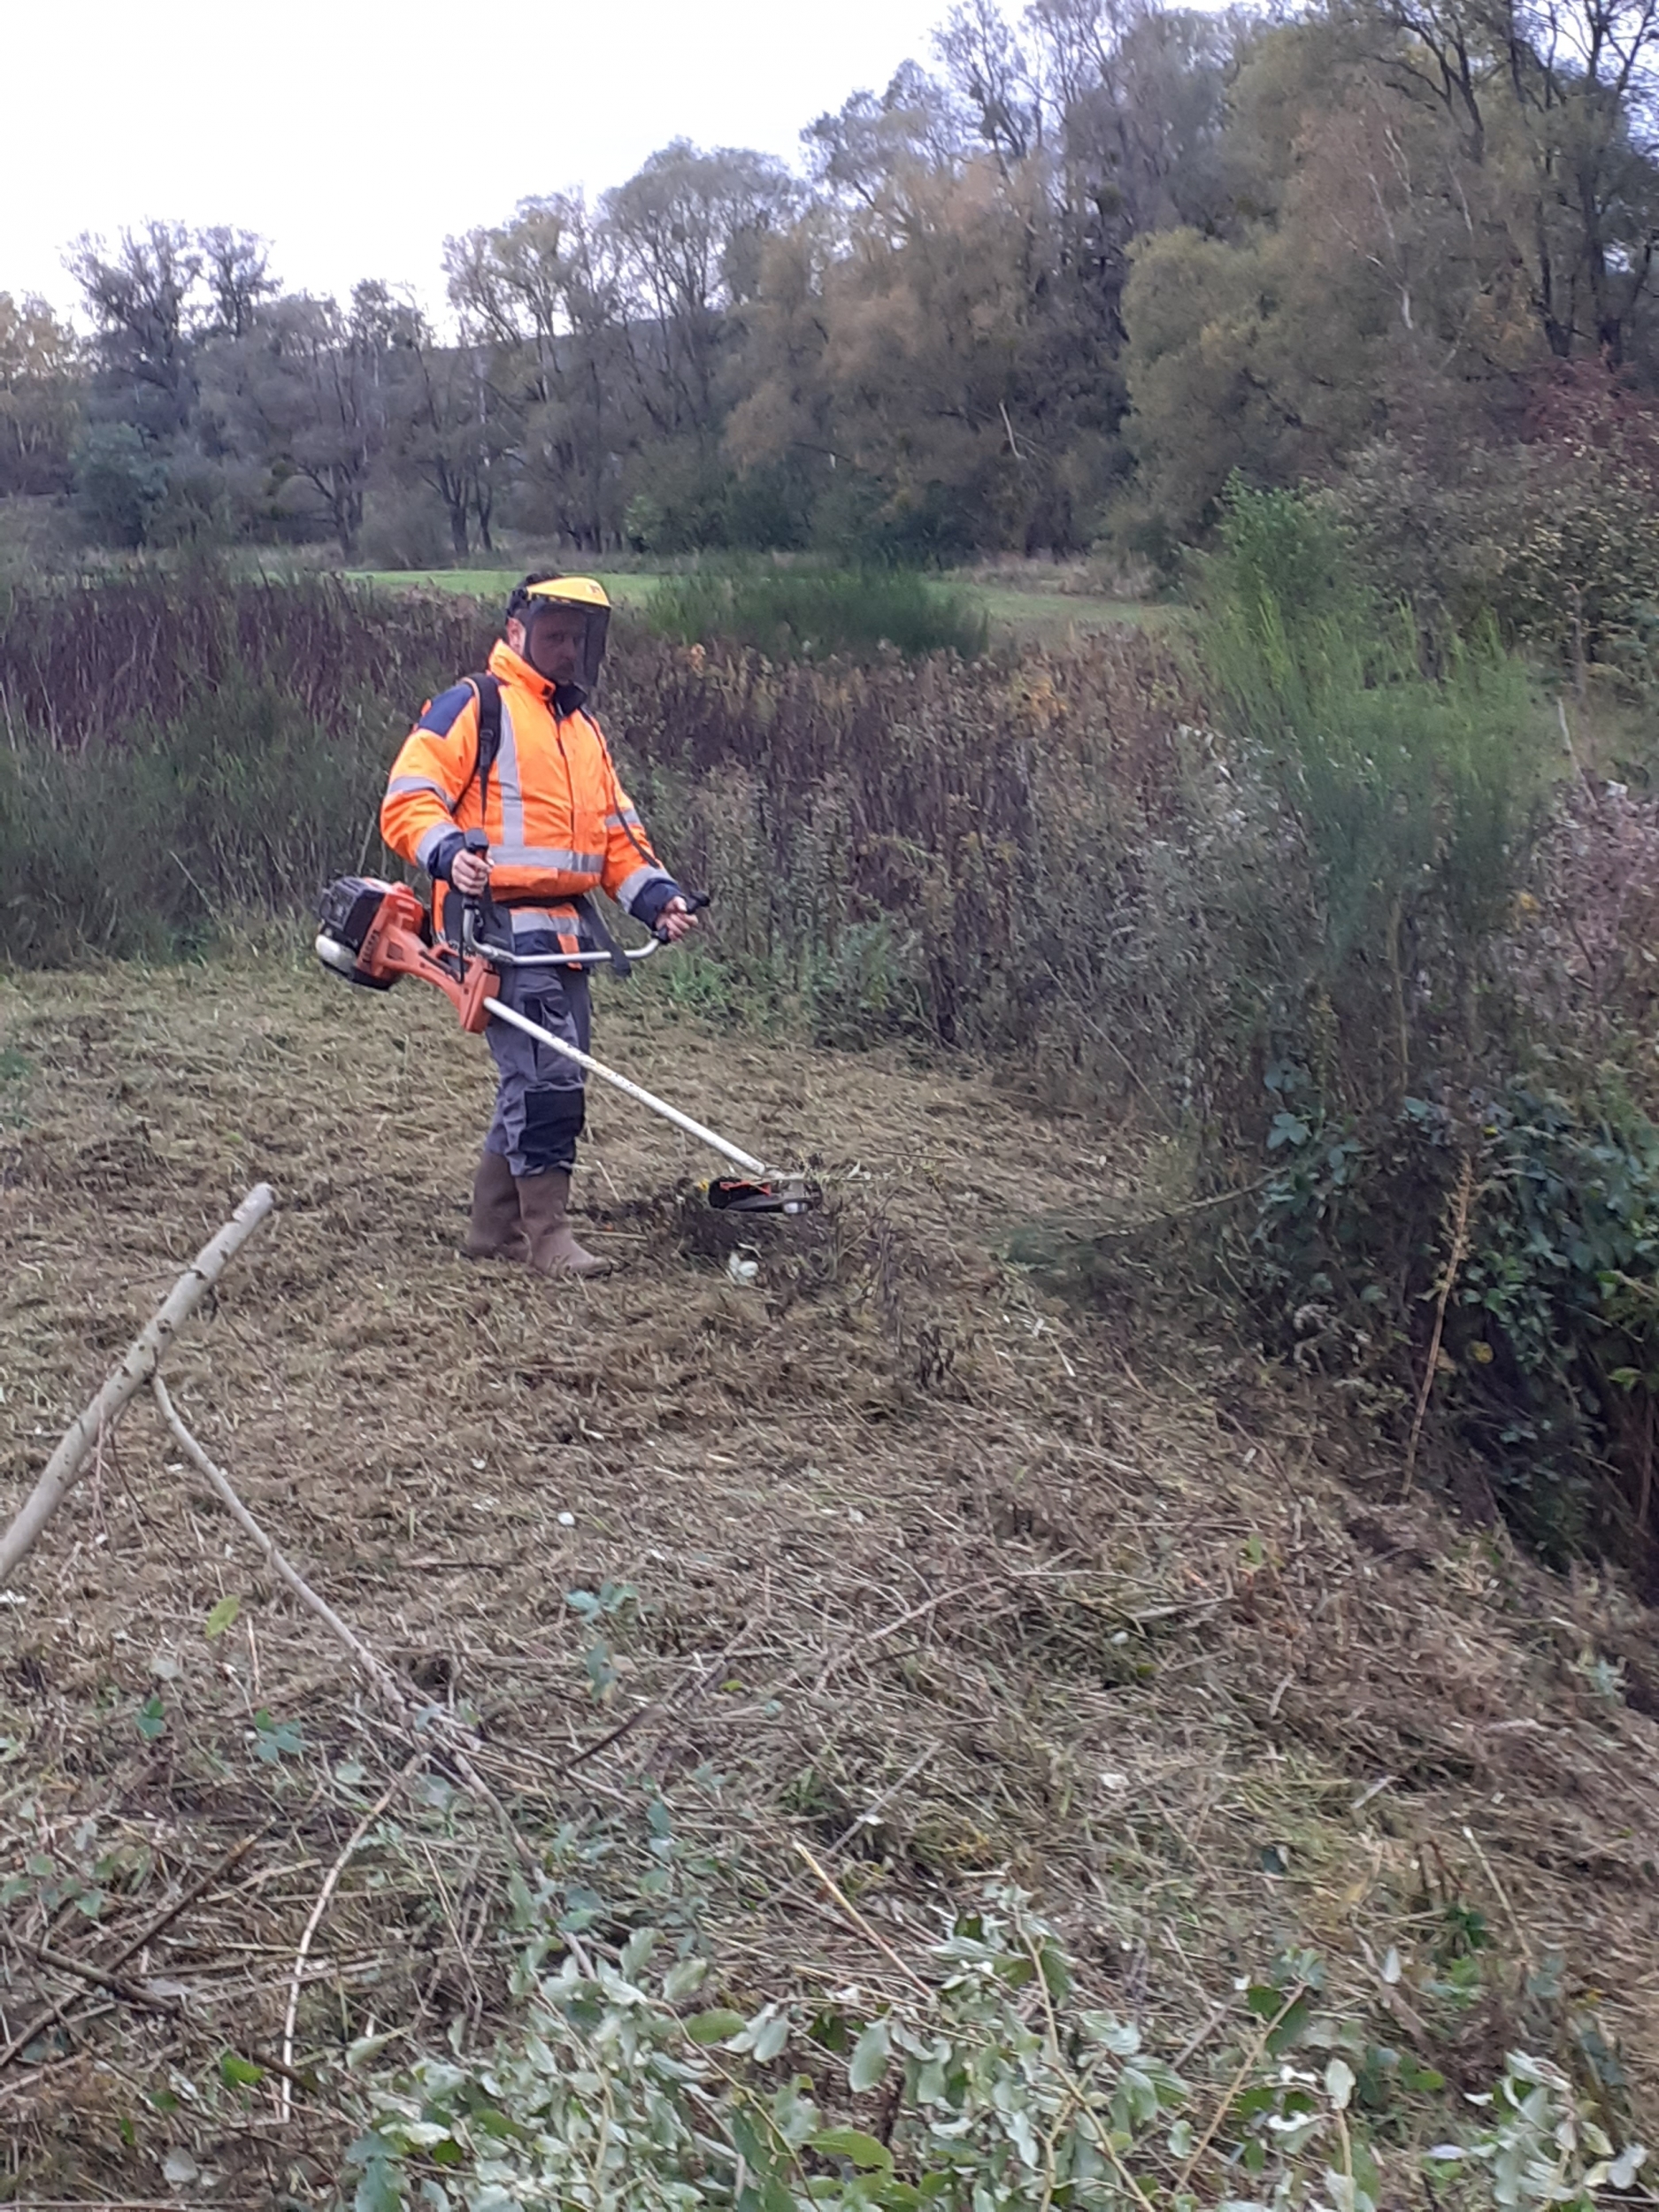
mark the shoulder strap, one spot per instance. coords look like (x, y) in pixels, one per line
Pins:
(488, 690)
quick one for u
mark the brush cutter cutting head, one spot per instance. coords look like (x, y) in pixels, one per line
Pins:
(772, 1194)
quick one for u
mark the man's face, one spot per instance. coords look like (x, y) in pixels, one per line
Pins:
(551, 641)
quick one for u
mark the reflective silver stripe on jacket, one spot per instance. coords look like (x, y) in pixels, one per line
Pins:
(535, 921)
(630, 887)
(509, 856)
(508, 787)
(626, 819)
(400, 784)
(541, 929)
(430, 841)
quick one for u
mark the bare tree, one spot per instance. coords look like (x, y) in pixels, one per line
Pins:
(861, 156)
(447, 429)
(236, 268)
(1558, 98)
(992, 74)
(686, 235)
(308, 393)
(539, 308)
(141, 299)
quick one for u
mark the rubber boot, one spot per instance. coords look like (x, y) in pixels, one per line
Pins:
(494, 1231)
(544, 1210)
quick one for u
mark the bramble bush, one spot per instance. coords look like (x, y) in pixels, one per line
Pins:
(1451, 986)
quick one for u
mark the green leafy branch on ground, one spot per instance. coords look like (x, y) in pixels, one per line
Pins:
(995, 2087)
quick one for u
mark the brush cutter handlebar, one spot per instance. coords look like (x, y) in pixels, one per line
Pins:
(474, 944)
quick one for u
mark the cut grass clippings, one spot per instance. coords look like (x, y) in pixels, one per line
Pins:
(887, 1553)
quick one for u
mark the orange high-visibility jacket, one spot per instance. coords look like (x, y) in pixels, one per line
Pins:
(557, 819)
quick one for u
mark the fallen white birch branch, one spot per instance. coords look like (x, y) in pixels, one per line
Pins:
(62, 1469)
(379, 1673)
(435, 1733)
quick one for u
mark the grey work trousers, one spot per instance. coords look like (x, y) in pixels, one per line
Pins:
(540, 1105)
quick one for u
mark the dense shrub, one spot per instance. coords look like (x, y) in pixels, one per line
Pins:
(121, 483)
(91, 658)
(1412, 799)
(1458, 1182)
(184, 748)
(242, 802)
(1555, 538)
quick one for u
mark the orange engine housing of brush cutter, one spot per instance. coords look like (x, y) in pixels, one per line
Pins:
(397, 942)
(396, 945)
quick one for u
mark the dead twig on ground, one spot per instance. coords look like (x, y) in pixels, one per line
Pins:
(130, 1992)
(433, 1732)
(694, 1679)
(381, 1675)
(1502, 1896)
(843, 1904)
(54, 2013)
(1252, 2057)
(331, 1882)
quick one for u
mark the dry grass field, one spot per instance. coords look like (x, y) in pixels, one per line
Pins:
(897, 1550)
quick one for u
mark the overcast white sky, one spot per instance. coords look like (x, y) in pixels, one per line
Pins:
(356, 134)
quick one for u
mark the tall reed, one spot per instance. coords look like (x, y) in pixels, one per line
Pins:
(935, 844)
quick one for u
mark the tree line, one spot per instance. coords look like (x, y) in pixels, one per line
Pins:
(1052, 292)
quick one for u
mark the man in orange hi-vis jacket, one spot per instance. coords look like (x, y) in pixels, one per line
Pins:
(559, 825)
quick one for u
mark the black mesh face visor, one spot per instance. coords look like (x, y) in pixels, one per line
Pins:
(566, 596)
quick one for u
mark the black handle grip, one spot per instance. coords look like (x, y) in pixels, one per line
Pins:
(696, 901)
(474, 841)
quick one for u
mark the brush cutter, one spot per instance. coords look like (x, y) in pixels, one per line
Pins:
(374, 932)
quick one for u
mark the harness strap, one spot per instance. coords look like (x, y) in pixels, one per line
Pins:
(621, 964)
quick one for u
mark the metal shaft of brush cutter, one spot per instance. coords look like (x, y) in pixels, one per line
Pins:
(640, 1097)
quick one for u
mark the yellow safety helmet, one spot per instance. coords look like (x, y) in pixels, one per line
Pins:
(589, 599)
